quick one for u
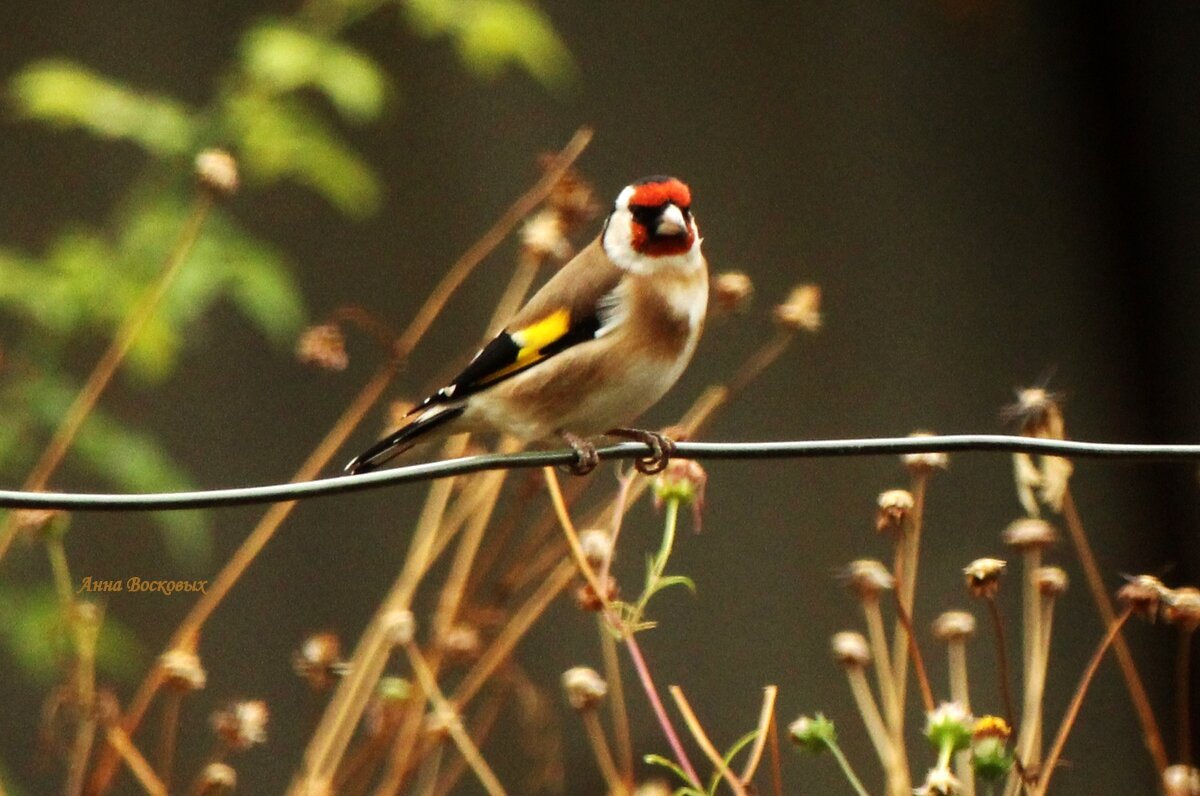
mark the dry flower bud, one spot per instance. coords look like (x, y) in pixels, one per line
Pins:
(682, 480)
(1142, 595)
(319, 660)
(597, 547)
(242, 724)
(400, 626)
(850, 649)
(584, 686)
(571, 197)
(813, 733)
(1181, 780)
(216, 778)
(1182, 607)
(1051, 581)
(542, 236)
(1029, 532)
(953, 625)
(925, 463)
(323, 346)
(868, 577)
(182, 670)
(894, 507)
(983, 576)
(461, 641)
(217, 171)
(730, 293)
(1039, 413)
(587, 599)
(801, 312)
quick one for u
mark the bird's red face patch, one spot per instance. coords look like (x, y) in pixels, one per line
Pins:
(647, 204)
(651, 194)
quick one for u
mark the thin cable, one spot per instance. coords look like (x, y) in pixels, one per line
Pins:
(799, 449)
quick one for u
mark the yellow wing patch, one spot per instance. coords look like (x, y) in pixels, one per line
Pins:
(532, 339)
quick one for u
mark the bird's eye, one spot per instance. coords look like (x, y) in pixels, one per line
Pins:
(646, 215)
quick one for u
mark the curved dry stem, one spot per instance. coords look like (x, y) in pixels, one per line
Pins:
(702, 739)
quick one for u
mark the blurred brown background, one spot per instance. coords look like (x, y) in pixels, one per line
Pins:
(990, 193)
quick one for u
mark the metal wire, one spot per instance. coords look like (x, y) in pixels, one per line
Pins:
(799, 449)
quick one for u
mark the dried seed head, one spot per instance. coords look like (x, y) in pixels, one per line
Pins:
(654, 787)
(954, 625)
(217, 172)
(461, 642)
(894, 508)
(925, 463)
(1029, 532)
(683, 480)
(215, 779)
(400, 626)
(1182, 607)
(850, 649)
(939, 782)
(542, 236)
(571, 197)
(1051, 581)
(597, 547)
(1142, 595)
(730, 293)
(1181, 780)
(983, 576)
(812, 733)
(584, 686)
(241, 725)
(319, 660)
(801, 311)
(868, 577)
(323, 346)
(1039, 413)
(182, 670)
(587, 599)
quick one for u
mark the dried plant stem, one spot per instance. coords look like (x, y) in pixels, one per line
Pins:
(1151, 735)
(914, 652)
(1072, 713)
(106, 367)
(429, 770)
(1183, 692)
(481, 727)
(167, 737)
(1029, 742)
(883, 668)
(1032, 614)
(118, 740)
(1002, 673)
(604, 759)
(514, 630)
(766, 719)
(956, 655)
(876, 729)
(452, 722)
(776, 758)
(908, 549)
(617, 705)
(702, 739)
(643, 671)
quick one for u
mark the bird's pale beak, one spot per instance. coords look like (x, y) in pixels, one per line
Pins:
(671, 222)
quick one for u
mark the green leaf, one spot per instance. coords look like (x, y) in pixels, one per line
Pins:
(673, 580)
(131, 461)
(69, 95)
(33, 630)
(687, 790)
(286, 58)
(492, 34)
(281, 139)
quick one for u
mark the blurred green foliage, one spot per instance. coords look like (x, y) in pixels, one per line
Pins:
(278, 107)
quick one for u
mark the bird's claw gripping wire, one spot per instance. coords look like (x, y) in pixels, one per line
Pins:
(662, 448)
(586, 457)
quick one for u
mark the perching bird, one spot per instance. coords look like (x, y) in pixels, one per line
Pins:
(600, 343)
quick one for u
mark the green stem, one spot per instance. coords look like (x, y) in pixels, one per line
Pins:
(659, 564)
(62, 574)
(844, 764)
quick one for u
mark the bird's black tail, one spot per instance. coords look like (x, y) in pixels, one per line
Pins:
(393, 445)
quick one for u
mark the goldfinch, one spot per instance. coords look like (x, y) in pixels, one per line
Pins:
(599, 344)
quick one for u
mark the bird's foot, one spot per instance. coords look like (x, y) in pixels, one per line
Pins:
(661, 446)
(586, 457)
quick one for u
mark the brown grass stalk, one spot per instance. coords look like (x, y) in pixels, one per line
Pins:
(766, 719)
(702, 740)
